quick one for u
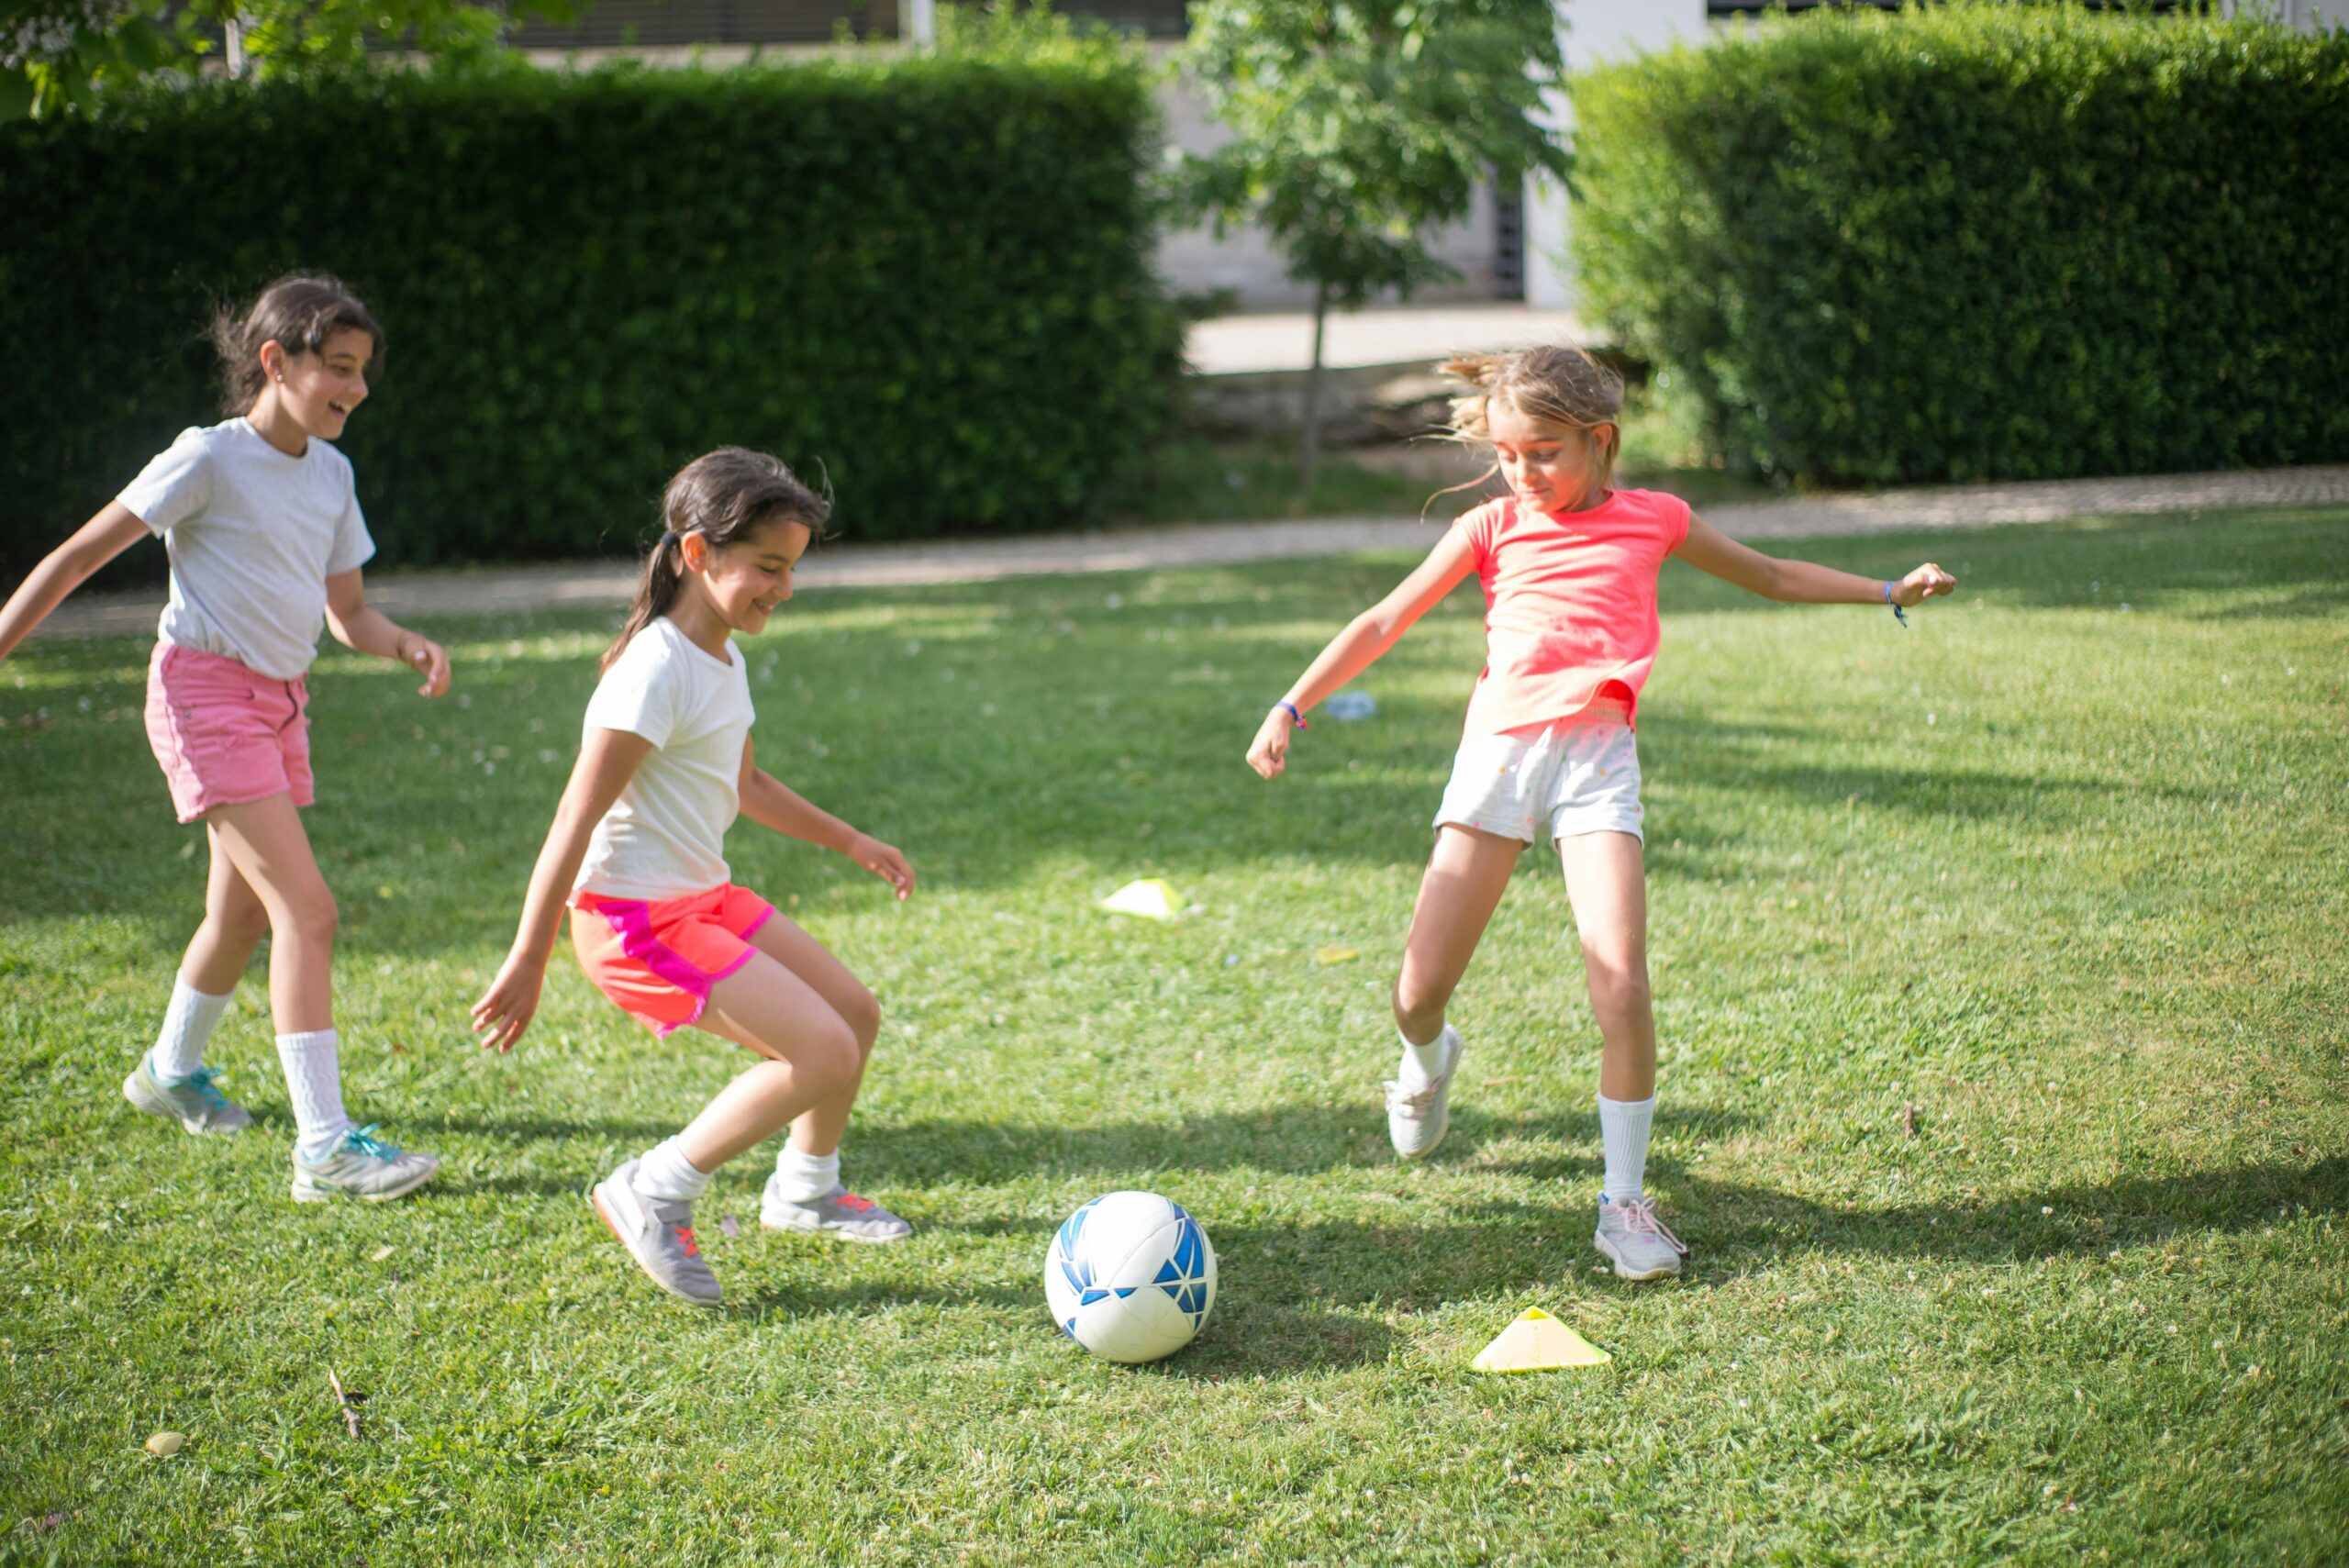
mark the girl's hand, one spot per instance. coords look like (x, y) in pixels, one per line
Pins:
(1269, 753)
(506, 1008)
(883, 861)
(1922, 584)
(415, 649)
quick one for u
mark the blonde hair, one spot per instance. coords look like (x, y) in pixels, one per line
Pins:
(1556, 384)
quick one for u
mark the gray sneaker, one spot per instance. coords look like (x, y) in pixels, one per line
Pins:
(1639, 1243)
(658, 1234)
(362, 1166)
(194, 1102)
(1417, 1120)
(838, 1213)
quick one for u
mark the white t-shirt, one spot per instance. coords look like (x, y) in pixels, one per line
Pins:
(253, 536)
(665, 838)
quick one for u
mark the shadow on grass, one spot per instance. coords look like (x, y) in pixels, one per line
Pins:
(1296, 1140)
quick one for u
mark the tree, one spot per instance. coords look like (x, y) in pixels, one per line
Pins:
(1358, 128)
(56, 56)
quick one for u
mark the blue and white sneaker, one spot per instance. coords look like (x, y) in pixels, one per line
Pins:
(194, 1102)
(362, 1166)
(1637, 1241)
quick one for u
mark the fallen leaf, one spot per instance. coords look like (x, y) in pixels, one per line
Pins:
(382, 1252)
(1336, 955)
(162, 1445)
(731, 1226)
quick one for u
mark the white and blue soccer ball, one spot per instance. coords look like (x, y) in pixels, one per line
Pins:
(1131, 1278)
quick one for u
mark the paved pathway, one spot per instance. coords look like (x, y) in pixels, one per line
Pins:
(431, 595)
(1241, 345)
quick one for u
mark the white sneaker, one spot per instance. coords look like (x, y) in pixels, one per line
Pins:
(1639, 1243)
(1418, 1119)
(362, 1166)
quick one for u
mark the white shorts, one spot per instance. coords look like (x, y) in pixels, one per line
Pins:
(1571, 779)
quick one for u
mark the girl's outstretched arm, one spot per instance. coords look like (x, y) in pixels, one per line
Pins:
(1366, 637)
(66, 568)
(768, 802)
(1800, 582)
(364, 628)
(607, 759)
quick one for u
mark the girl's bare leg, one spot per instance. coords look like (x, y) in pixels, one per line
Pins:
(267, 847)
(1466, 874)
(817, 1130)
(235, 920)
(1607, 885)
(812, 1057)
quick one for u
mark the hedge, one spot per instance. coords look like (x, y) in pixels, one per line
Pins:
(927, 279)
(1979, 242)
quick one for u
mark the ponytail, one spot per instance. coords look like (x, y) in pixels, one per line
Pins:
(655, 591)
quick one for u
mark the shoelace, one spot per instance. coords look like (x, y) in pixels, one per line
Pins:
(1414, 1103)
(362, 1140)
(202, 1082)
(686, 1234)
(852, 1203)
(1639, 1216)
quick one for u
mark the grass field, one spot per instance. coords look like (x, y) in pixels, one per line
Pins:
(2066, 869)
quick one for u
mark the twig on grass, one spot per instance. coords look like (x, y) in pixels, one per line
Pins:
(348, 1400)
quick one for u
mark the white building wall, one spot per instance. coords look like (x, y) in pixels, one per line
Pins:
(1590, 32)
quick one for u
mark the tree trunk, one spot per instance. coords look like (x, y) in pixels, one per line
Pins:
(1308, 441)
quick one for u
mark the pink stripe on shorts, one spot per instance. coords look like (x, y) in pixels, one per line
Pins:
(225, 734)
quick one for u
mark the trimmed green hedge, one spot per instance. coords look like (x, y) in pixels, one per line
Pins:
(1979, 242)
(928, 279)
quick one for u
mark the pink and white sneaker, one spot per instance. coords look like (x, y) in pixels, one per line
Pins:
(1637, 1240)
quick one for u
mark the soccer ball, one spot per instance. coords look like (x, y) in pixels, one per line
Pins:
(1131, 1278)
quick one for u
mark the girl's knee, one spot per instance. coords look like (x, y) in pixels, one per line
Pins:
(831, 1055)
(243, 920)
(1419, 1000)
(862, 1012)
(308, 912)
(1618, 983)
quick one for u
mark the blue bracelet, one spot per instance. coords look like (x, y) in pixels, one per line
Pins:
(1897, 613)
(1294, 714)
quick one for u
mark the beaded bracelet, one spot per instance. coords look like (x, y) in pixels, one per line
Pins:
(1294, 714)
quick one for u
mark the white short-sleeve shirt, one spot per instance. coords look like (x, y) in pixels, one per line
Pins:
(665, 838)
(253, 536)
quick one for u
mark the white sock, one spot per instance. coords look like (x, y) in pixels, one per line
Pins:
(1623, 1129)
(188, 1023)
(1423, 1064)
(313, 1079)
(665, 1174)
(804, 1178)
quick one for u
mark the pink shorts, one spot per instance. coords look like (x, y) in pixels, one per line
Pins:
(225, 734)
(658, 960)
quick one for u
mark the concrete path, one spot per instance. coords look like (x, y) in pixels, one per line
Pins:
(430, 596)
(1251, 345)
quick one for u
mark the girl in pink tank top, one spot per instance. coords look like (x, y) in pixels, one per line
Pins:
(1568, 566)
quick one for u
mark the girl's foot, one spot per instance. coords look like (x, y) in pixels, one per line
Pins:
(194, 1102)
(1418, 1110)
(1639, 1243)
(838, 1213)
(362, 1166)
(659, 1234)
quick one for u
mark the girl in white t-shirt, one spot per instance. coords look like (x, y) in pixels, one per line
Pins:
(636, 851)
(266, 540)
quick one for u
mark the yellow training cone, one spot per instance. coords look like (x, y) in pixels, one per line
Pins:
(1538, 1343)
(1150, 898)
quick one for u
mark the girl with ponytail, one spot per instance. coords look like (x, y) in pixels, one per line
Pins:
(636, 852)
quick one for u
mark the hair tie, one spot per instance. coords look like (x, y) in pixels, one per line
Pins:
(668, 537)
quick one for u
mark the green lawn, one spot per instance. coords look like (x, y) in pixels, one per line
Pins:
(2066, 868)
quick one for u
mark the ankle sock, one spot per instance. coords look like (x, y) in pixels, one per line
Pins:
(1623, 1131)
(1423, 1064)
(188, 1023)
(665, 1175)
(804, 1178)
(314, 1080)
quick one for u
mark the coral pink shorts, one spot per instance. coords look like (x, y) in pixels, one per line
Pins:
(225, 734)
(659, 960)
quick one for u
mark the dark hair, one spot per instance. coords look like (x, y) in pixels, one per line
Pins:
(724, 497)
(299, 312)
